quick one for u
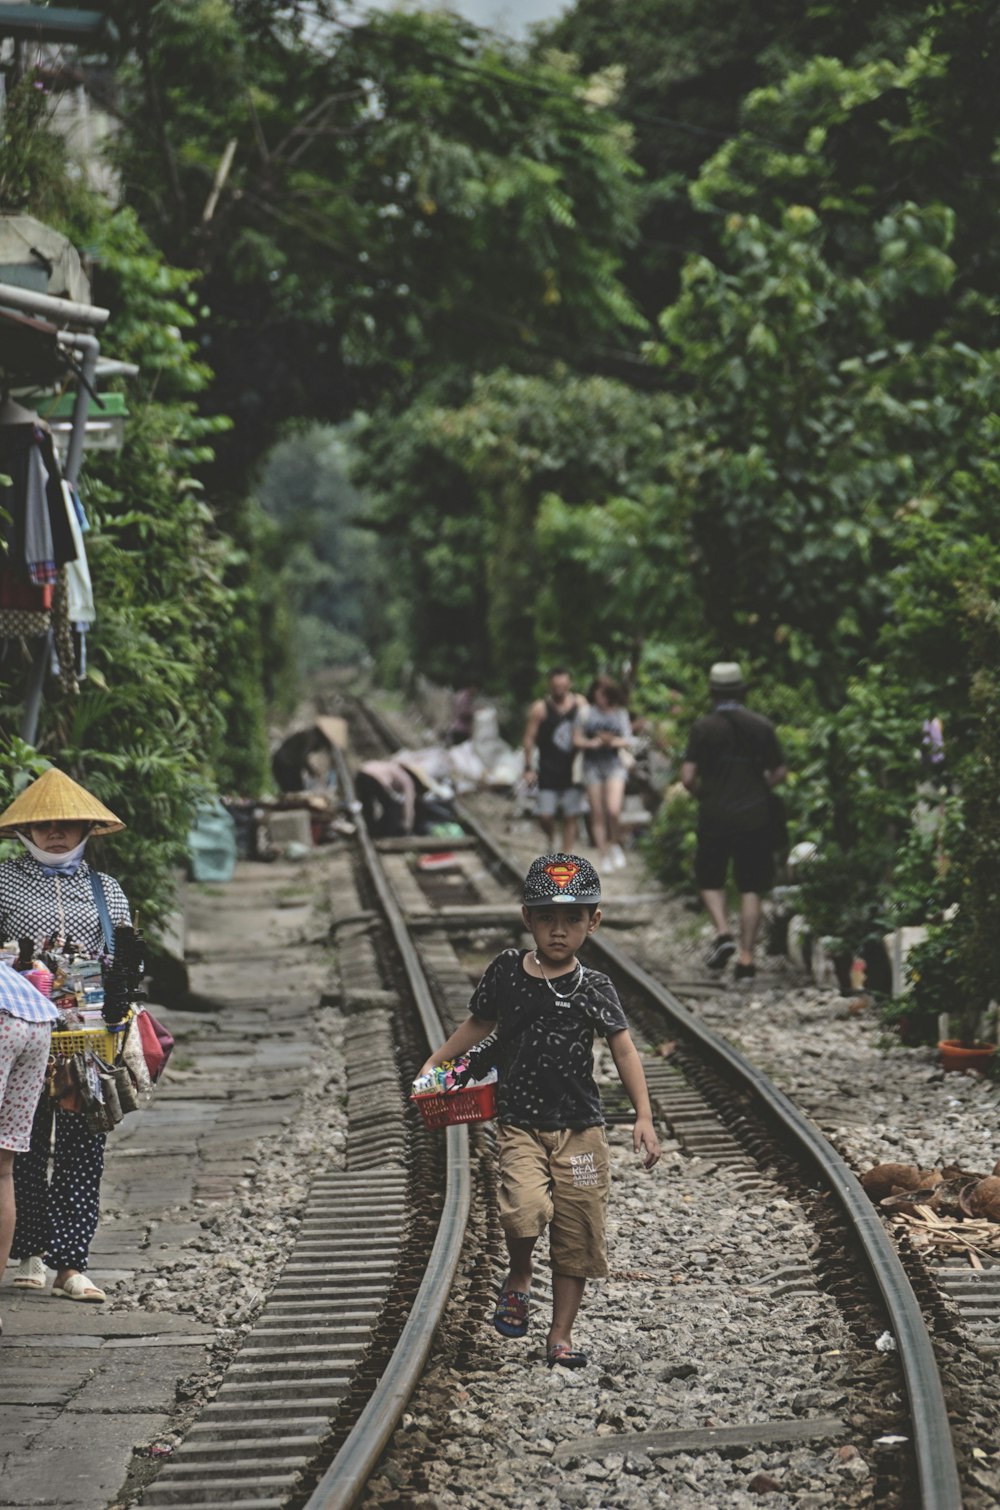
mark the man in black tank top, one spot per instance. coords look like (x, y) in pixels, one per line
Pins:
(549, 729)
(732, 761)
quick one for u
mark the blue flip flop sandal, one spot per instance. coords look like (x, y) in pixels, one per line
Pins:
(511, 1315)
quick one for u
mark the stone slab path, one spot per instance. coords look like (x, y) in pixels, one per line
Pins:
(88, 1393)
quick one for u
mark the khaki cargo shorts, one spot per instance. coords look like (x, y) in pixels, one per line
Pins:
(560, 1180)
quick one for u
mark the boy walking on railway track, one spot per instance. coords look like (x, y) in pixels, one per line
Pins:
(534, 1015)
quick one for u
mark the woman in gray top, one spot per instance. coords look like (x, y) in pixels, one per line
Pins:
(603, 731)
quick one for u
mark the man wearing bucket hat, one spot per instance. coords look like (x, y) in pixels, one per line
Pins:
(50, 892)
(733, 760)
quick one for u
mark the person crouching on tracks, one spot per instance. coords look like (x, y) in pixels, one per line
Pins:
(539, 1010)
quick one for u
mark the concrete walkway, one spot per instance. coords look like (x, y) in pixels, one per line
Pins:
(89, 1394)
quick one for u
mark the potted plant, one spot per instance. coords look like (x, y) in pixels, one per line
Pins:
(936, 970)
(964, 1048)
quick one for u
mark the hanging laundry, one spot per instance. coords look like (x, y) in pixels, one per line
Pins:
(78, 585)
(36, 526)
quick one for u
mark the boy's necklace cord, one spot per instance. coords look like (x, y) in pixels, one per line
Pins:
(577, 978)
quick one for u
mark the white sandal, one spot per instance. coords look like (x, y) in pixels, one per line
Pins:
(29, 1275)
(79, 1287)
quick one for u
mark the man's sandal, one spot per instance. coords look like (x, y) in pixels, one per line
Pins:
(511, 1315)
(567, 1357)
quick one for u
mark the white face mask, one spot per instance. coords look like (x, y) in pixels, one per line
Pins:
(69, 861)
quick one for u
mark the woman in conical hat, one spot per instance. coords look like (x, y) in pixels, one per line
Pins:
(49, 895)
(56, 797)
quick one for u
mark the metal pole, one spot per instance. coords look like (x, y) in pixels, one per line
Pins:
(49, 305)
(90, 346)
(33, 694)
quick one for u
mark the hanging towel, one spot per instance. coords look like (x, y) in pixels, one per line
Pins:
(79, 590)
(39, 547)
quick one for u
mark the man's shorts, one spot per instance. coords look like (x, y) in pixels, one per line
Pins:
(560, 1180)
(753, 860)
(24, 1053)
(568, 802)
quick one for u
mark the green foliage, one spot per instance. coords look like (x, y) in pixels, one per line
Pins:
(33, 160)
(327, 577)
(617, 556)
(978, 853)
(691, 68)
(914, 1022)
(492, 524)
(810, 427)
(406, 197)
(431, 550)
(670, 845)
(20, 764)
(440, 228)
(841, 892)
(925, 880)
(147, 732)
(934, 975)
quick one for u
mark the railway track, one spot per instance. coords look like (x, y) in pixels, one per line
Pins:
(319, 1388)
(721, 1126)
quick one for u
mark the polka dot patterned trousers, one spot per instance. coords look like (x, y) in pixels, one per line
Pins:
(57, 1217)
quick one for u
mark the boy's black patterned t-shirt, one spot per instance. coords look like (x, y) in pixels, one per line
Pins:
(544, 1043)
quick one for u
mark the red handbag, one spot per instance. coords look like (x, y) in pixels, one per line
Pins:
(157, 1043)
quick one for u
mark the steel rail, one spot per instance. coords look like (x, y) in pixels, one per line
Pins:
(354, 1464)
(933, 1446)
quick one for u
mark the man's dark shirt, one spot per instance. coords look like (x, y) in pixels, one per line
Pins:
(544, 1045)
(555, 747)
(732, 749)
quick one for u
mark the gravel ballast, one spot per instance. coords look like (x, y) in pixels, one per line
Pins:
(690, 1331)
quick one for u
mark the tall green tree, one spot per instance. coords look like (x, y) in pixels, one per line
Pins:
(370, 206)
(688, 67)
(812, 421)
(328, 575)
(458, 494)
(146, 730)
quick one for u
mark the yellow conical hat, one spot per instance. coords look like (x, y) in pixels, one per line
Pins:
(54, 796)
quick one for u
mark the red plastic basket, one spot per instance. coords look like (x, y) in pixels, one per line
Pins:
(476, 1103)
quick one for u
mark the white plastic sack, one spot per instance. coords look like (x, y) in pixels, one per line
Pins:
(467, 770)
(507, 769)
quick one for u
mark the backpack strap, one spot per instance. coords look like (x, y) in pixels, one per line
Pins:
(101, 903)
(741, 750)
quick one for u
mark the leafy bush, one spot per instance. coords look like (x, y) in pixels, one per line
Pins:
(925, 881)
(841, 893)
(147, 732)
(934, 985)
(670, 844)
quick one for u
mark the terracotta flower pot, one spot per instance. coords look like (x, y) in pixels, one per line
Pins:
(956, 1056)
